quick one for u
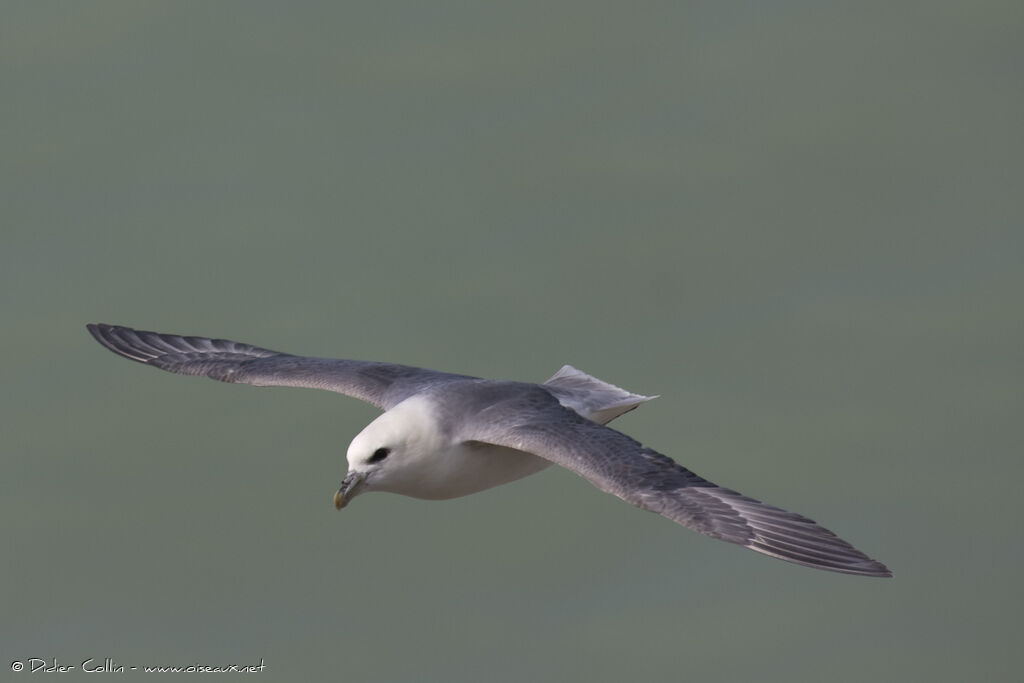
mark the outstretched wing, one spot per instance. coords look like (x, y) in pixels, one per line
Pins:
(382, 384)
(536, 423)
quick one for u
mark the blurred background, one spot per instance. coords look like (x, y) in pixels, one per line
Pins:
(801, 225)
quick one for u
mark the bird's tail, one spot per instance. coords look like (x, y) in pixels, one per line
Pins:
(592, 398)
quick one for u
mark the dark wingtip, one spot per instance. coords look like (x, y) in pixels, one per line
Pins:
(874, 569)
(109, 337)
(862, 566)
(882, 572)
(100, 332)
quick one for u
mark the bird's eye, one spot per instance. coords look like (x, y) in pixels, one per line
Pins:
(379, 455)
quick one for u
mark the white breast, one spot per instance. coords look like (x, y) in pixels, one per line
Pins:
(470, 467)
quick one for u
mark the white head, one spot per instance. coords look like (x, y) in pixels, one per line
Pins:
(393, 453)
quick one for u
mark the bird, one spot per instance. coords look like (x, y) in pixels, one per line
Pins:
(444, 435)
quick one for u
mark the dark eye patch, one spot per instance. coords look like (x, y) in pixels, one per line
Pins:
(379, 455)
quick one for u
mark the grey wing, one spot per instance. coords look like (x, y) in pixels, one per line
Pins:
(381, 384)
(619, 465)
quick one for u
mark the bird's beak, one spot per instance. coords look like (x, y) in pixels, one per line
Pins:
(349, 489)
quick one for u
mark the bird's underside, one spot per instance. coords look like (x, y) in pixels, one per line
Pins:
(555, 421)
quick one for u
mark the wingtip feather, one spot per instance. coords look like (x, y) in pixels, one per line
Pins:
(105, 335)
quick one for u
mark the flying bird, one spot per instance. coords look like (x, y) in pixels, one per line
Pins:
(445, 435)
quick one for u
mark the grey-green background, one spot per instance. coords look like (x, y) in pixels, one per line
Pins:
(801, 224)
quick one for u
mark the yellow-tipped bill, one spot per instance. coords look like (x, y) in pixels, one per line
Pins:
(349, 489)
